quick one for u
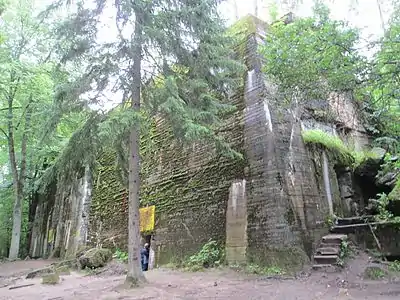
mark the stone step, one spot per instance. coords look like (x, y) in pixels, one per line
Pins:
(325, 259)
(329, 245)
(323, 267)
(328, 251)
(341, 229)
(334, 238)
(355, 220)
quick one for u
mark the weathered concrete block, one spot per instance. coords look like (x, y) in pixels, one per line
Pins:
(52, 278)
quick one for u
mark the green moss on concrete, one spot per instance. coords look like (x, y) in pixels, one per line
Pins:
(288, 259)
(63, 270)
(333, 145)
(188, 184)
(241, 30)
(52, 278)
(243, 27)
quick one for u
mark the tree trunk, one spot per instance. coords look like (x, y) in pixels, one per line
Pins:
(18, 179)
(16, 228)
(135, 274)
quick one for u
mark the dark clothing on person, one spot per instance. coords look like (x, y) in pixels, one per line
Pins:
(144, 255)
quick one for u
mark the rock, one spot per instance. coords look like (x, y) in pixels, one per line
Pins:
(81, 251)
(95, 258)
(379, 153)
(370, 167)
(52, 278)
(40, 272)
(388, 179)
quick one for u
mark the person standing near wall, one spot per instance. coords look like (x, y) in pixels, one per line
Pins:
(144, 257)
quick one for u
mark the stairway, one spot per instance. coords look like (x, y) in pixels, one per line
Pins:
(327, 254)
(351, 225)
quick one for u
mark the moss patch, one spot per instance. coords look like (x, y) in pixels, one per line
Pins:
(189, 184)
(395, 193)
(268, 271)
(52, 278)
(287, 259)
(95, 258)
(374, 273)
(63, 270)
(334, 146)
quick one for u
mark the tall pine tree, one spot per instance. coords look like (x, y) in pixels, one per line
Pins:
(169, 57)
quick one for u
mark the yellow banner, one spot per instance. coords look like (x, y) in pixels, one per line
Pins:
(146, 215)
(50, 237)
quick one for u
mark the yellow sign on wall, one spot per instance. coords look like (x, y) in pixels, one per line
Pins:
(50, 237)
(146, 215)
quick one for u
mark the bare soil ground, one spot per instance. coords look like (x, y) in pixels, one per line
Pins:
(215, 284)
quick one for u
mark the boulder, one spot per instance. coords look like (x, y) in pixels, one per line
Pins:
(95, 258)
(370, 166)
(81, 251)
(389, 179)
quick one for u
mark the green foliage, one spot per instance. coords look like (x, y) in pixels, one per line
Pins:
(384, 214)
(395, 193)
(312, 56)
(336, 148)
(267, 271)
(391, 163)
(330, 220)
(383, 201)
(209, 256)
(121, 255)
(242, 28)
(382, 88)
(28, 78)
(392, 145)
(374, 273)
(190, 96)
(362, 156)
(394, 266)
(344, 253)
(333, 144)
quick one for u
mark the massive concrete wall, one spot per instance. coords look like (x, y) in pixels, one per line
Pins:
(285, 207)
(189, 184)
(61, 220)
(268, 208)
(271, 205)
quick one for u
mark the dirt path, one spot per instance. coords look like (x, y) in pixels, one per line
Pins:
(8, 269)
(220, 284)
